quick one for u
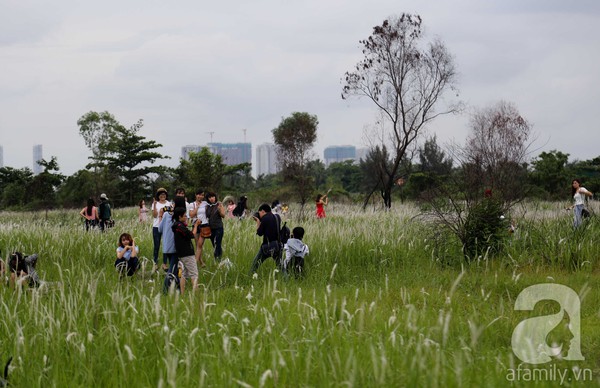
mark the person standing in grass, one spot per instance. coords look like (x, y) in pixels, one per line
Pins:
(104, 212)
(90, 214)
(142, 211)
(160, 201)
(215, 212)
(321, 202)
(127, 255)
(198, 213)
(184, 247)
(166, 231)
(579, 193)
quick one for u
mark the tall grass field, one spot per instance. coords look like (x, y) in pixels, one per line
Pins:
(387, 300)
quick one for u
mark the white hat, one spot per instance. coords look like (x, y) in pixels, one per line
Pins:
(103, 196)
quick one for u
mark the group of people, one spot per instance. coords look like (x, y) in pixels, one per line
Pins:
(97, 216)
(182, 247)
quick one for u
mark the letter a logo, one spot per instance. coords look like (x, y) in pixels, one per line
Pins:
(529, 336)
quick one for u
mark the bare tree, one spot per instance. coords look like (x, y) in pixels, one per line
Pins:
(496, 152)
(405, 78)
(491, 180)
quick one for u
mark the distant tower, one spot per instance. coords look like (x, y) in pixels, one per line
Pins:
(266, 159)
(37, 156)
(1, 157)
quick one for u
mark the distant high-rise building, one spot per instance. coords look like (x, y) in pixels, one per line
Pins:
(185, 151)
(232, 153)
(1, 156)
(335, 154)
(266, 159)
(37, 156)
(361, 153)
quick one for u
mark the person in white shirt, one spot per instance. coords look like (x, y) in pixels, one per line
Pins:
(579, 193)
(198, 212)
(160, 202)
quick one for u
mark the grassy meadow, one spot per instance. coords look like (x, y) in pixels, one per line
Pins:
(387, 300)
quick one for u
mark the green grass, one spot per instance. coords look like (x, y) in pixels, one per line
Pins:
(379, 306)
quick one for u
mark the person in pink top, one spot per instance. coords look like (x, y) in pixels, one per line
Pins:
(142, 211)
(90, 214)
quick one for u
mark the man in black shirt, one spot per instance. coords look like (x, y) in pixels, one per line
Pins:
(267, 226)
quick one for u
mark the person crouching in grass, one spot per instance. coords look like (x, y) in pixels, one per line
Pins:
(23, 268)
(184, 246)
(127, 252)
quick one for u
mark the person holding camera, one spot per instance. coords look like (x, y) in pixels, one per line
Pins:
(215, 212)
(23, 267)
(267, 226)
(127, 261)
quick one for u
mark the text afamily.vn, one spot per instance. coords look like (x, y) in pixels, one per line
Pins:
(551, 373)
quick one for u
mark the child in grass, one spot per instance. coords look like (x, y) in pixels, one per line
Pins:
(295, 251)
(127, 260)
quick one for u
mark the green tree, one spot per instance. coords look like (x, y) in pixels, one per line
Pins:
(13, 186)
(295, 136)
(318, 172)
(120, 153)
(346, 174)
(128, 154)
(432, 158)
(42, 188)
(405, 78)
(76, 189)
(550, 173)
(203, 170)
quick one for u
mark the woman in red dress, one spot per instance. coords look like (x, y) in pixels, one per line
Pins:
(321, 201)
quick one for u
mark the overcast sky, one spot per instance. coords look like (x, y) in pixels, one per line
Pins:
(192, 67)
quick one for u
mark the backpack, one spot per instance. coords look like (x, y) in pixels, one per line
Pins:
(104, 213)
(284, 233)
(238, 210)
(171, 280)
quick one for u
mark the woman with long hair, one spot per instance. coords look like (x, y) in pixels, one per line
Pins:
(90, 214)
(578, 193)
(142, 211)
(160, 201)
(321, 202)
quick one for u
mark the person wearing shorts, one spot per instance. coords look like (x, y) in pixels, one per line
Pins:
(185, 247)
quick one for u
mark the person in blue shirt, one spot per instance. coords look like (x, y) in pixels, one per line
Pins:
(127, 252)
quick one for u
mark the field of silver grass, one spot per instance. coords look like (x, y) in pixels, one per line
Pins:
(383, 303)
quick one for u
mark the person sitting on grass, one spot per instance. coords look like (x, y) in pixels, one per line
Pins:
(295, 251)
(185, 248)
(127, 252)
(23, 268)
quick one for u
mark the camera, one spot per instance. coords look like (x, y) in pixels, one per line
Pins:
(256, 215)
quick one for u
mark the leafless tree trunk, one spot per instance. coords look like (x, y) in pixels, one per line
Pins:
(405, 78)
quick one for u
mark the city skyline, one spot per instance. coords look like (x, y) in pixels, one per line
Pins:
(191, 68)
